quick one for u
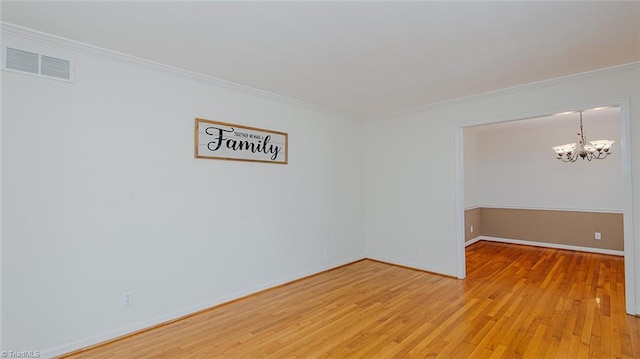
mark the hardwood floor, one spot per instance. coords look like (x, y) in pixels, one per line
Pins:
(516, 302)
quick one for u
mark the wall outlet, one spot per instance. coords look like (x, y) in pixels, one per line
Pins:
(598, 236)
(471, 229)
(127, 298)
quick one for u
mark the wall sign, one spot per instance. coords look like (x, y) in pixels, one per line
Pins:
(227, 141)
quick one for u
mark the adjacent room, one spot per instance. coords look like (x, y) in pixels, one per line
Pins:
(195, 179)
(516, 193)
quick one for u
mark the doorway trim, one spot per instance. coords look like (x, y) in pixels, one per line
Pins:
(625, 151)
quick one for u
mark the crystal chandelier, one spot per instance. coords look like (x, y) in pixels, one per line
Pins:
(570, 152)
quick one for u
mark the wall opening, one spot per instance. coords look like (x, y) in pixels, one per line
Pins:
(522, 191)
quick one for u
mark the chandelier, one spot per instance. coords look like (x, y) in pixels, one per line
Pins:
(570, 152)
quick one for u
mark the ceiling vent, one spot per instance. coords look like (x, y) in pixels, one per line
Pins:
(37, 64)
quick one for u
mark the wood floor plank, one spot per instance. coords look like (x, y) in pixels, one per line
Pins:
(516, 302)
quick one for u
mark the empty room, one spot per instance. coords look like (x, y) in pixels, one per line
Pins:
(320, 179)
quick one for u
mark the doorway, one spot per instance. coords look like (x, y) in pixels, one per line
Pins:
(547, 183)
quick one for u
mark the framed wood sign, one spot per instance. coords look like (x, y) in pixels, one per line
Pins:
(227, 141)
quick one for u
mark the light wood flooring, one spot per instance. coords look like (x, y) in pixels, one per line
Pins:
(516, 302)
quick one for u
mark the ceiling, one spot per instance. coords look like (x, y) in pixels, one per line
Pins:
(361, 58)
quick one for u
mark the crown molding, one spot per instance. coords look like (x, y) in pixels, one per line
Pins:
(531, 85)
(50, 39)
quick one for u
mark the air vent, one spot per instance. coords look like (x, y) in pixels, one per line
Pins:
(22, 60)
(38, 64)
(55, 67)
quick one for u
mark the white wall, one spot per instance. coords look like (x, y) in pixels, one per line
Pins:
(101, 194)
(472, 167)
(515, 166)
(411, 215)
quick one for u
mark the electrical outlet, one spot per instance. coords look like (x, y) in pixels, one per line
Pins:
(471, 229)
(127, 298)
(598, 236)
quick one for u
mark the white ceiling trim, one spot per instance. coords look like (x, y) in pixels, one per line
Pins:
(35, 35)
(506, 90)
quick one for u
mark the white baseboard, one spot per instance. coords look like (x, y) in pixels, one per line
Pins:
(548, 245)
(96, 339)
(410, 265)
(472, 241)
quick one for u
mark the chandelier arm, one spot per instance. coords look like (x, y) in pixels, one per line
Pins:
(572, 157)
